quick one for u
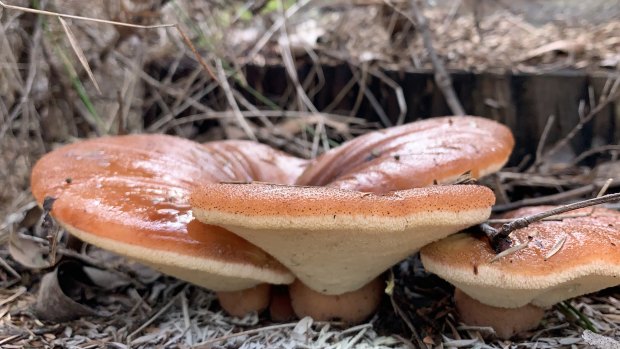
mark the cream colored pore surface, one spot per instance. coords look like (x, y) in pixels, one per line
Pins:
(211, 274)
(338, 254)
(500, 289)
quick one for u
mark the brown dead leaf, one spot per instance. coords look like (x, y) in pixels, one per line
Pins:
(28, 253)
(60, 294)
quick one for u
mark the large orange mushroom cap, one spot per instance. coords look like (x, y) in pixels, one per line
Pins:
(421, 153)
(336, 241)
(130, 195)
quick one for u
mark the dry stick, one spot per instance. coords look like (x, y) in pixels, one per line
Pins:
(202, 62)
(398, 92)
(389, 290)
(545, 199)
(614, 93)
(441, 75)
(56, 14)
(303, 99)
(499, 238)
(543, 138)
(160, 312)
(20, 291)
(241, 121)
(208, 343)
(592, 151)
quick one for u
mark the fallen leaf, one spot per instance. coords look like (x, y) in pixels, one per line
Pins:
(59, 294)
(28, 253)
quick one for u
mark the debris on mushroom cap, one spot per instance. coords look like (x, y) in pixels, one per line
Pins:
(588, 260)
(436, 150)
(334, 240)
(351, 307)
(130, 195)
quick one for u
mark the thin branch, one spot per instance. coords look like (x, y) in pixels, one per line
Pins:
(499, 238)
(441, 75)
(604, 148)
(543, 137)
(559, 197)
(614, 93)
(241, 121)
(56, 14)
(202, 62)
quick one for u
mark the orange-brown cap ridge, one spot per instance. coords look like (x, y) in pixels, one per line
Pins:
(334, 240)
(130, 195)
(436, 150)
(563, 259)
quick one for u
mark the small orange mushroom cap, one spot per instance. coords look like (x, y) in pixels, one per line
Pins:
(563, 259)
(130, 195)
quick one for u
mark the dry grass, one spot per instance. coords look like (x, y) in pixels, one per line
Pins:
(150, 81)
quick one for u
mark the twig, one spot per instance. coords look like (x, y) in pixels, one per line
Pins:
(559, 197)
(499, 238)
(614, 93)
(9, 269)
(241, 121)
(604, 148)
(156, 315)
(207, 344)
(202, 62)
(441, 75)
(20, 291)
(397, 309)
(50, 228)
(398, 92)
(186, 319)
(56, 14)
(543, 138)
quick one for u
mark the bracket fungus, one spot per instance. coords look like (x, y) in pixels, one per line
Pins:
(576, 254)
(337, 241)
(418, 154)
(130, 195)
